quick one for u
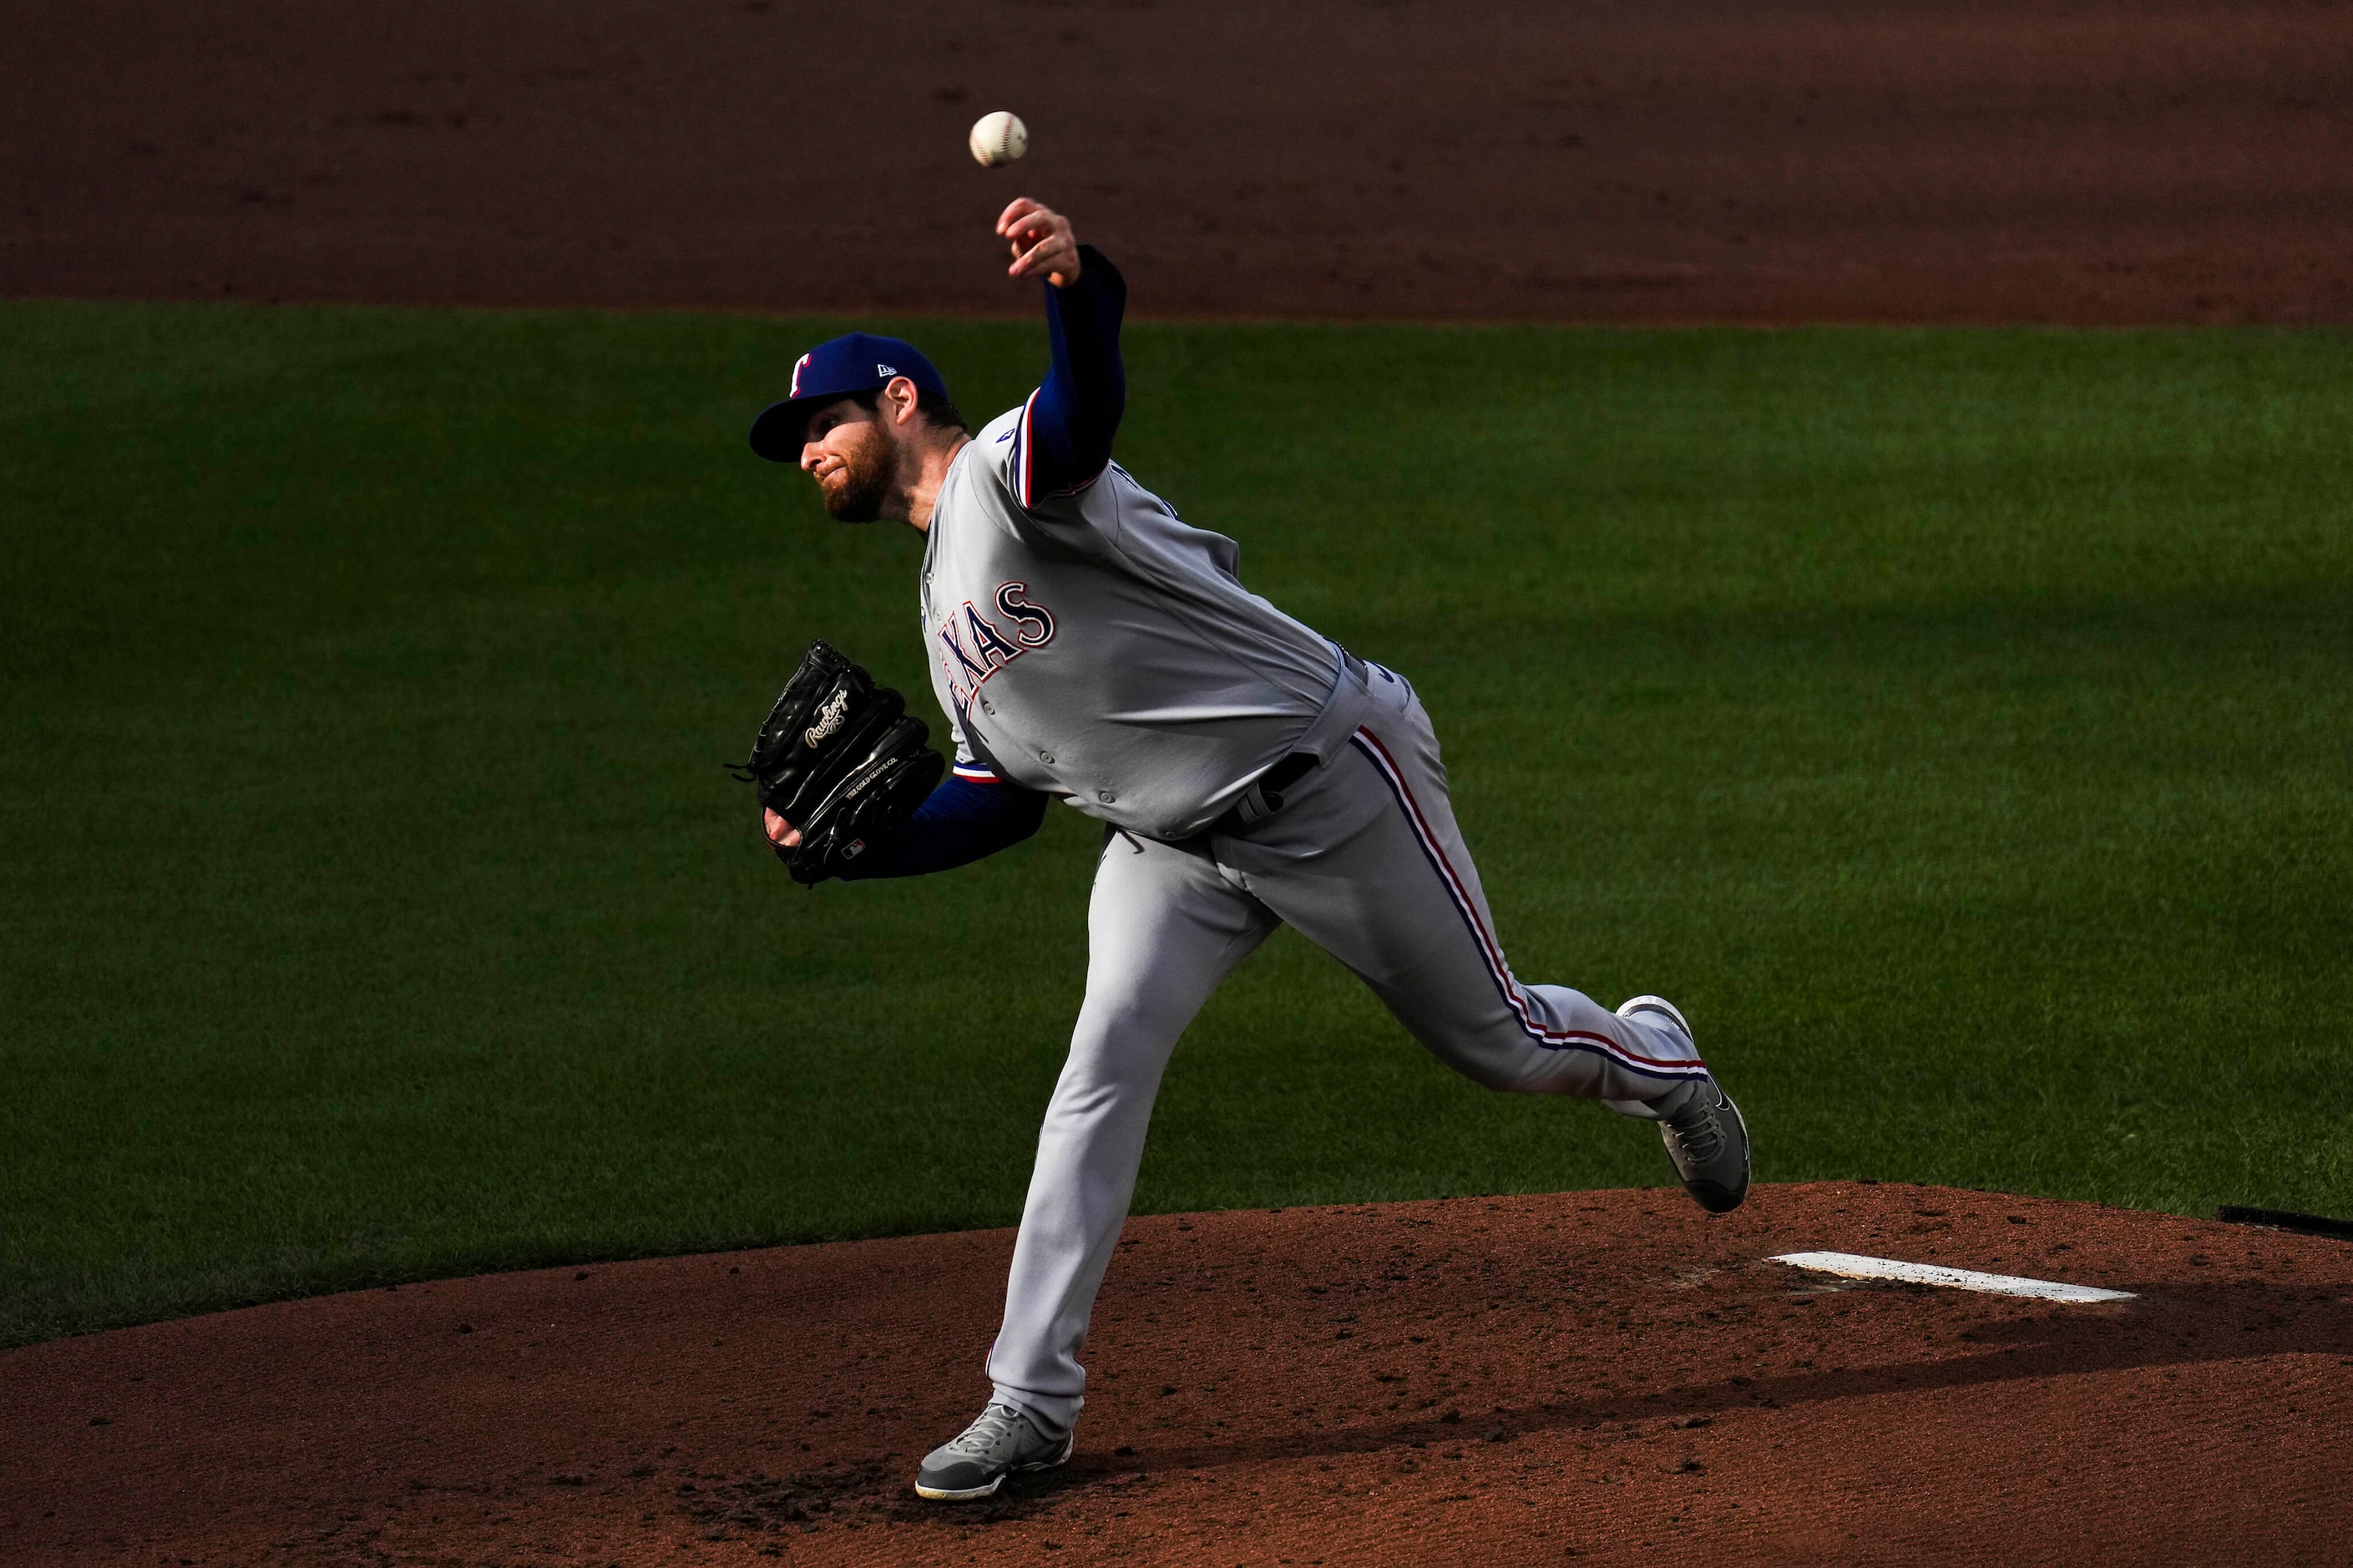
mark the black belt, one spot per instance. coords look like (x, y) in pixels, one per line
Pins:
(1283, 774)
(1264, 797)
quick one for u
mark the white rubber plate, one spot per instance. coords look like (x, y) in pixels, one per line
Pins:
(1855, 1265)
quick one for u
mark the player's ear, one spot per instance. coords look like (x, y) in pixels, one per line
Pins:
(903, 397)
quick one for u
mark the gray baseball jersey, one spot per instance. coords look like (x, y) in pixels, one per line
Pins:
(1094, 647)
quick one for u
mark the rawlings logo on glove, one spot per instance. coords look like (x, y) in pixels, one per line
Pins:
(837, 709)
(861, 767)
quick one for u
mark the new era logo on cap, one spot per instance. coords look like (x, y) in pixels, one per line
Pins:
(838, 368)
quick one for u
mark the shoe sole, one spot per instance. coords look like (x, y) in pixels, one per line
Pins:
(974, 1494)
(1717, 1203)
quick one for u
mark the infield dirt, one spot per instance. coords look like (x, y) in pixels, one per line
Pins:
(2002, 160)
(1606, 1377)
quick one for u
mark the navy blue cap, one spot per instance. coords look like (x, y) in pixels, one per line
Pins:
(857, 362)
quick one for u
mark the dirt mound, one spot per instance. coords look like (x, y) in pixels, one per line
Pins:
(1609, 1376)
(2038, 160)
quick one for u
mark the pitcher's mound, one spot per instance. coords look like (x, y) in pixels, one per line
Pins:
(1598, 1376)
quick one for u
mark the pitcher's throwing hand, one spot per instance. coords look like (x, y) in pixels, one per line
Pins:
(1043, 246)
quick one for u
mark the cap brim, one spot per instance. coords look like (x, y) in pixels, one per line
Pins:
(782, 428)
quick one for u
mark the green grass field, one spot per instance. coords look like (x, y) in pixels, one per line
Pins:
(1959, 723)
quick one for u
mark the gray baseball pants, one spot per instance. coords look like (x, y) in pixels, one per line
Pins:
(1365, 860)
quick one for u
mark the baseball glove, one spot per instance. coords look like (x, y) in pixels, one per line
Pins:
(839, 759)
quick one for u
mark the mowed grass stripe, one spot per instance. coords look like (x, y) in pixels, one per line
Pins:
(1956, 723)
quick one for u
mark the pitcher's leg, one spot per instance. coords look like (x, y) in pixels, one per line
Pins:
(1163, 929)
(1366, 861)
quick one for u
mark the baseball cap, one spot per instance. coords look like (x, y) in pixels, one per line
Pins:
(855, 362)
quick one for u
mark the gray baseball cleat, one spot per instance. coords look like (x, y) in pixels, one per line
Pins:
(1005, 1439)
(1703, 1129)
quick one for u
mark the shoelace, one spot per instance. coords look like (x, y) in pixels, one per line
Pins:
(985, 1434)
(1697, 1130)
(1696, 1125)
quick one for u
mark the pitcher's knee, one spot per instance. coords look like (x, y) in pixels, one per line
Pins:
(1088, 1099)
(1125, 1023)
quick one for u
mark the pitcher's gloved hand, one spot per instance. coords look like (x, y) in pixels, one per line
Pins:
(840, 761)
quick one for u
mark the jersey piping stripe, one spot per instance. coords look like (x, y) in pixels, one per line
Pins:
(1025, 463)
(1023, 483)
(1498, 971)
(972, 772)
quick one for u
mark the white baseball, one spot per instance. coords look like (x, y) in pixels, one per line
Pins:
(999, 138)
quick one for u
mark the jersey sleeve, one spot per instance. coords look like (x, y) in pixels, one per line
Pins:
(1062, 441)
(961, 821)
(970, 763)
(972, 813)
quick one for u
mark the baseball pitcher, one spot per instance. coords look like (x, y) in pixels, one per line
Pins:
(1087, 647)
